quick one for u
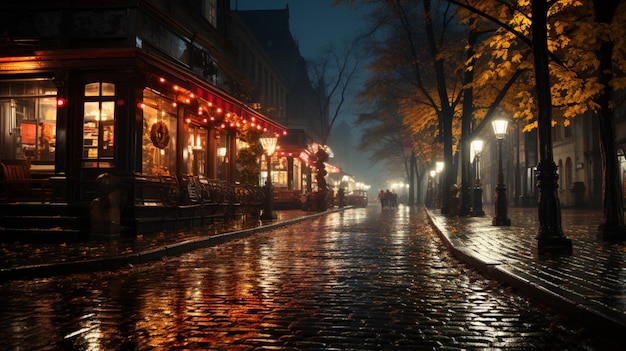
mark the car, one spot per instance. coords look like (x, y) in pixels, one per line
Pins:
(357, 198)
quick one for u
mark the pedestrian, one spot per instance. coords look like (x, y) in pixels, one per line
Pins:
(342, 197)
(381, 198)
(388, 198)
(394, 199)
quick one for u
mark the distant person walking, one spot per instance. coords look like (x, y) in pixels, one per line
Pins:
(381, 198)
(388, 198)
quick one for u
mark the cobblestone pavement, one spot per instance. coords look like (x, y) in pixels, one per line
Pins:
(589, 284)
(362, 279)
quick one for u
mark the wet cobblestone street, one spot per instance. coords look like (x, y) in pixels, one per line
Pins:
(361, 279)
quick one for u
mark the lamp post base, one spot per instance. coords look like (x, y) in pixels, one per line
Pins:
(477, 208)
(498, 221)
(557, 245)
(268, 213)
(502, 217)
(550, 238)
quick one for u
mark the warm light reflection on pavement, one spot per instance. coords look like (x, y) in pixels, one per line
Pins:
(361, 279)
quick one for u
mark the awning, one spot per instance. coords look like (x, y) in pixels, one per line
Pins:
(294, 144)
(210, 99)
(228, 104)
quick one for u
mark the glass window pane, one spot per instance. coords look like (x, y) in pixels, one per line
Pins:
(47, 109)
(108, 139)
(29, 130)
(108, 89)
(107, 112)
(158, 156)
(91, 130)
(92, 111)
(92, 89)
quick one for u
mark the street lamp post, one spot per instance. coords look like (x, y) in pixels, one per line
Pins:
(501, 216)
(477, 207)
(268, 141)
(410, 155)
(430, 193)
(440, 192)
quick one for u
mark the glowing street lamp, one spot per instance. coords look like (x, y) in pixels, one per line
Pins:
(501, 218)
(476, 147)
(268, 141)
(439, 166)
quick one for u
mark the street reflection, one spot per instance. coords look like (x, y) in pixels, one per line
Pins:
(351, 280)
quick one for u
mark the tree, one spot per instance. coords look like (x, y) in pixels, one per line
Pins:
(428, 79)
(611, 39)
(386, 130)
(586, 52)
(433, 85)
(332, 74)
(248, 157)
(394, 110)
(585, 47)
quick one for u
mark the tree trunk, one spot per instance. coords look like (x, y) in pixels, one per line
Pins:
(468, 114)
(418, 178)
(447, 112)
(550, 238)
(612, 227)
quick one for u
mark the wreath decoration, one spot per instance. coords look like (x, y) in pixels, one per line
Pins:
(159, 135)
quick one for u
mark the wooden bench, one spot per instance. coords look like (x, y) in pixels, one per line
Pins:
(19, 185)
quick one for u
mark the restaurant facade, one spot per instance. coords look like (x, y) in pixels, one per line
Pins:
(124, 115)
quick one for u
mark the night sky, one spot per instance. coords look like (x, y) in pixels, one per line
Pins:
(314, 23)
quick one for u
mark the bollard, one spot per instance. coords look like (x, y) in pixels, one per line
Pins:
(105, 209)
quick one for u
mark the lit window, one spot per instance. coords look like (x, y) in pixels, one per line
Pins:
(99, 125)
(28, 113)
(159, 134)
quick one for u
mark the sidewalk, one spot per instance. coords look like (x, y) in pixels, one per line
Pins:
(31, 260)
(589, 285)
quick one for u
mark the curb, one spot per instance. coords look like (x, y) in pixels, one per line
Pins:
(113, 263)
